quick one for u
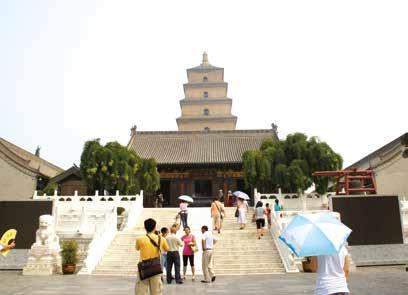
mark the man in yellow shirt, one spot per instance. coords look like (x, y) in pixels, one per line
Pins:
(153, 285)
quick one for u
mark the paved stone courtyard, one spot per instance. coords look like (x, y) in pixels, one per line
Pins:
(373, 281)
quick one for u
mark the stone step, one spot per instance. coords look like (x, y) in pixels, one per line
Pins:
(243, 271)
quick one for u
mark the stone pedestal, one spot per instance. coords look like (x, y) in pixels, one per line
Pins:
(44, 257)
(43, 261)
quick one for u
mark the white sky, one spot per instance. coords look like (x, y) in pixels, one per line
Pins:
(76, 70)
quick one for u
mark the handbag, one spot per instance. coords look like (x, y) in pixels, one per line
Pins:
(151, 267)
(194, 248)
(236, 213)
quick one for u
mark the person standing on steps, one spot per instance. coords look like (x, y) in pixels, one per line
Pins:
(188, 253)
(208, 241)
(183, 213)
(277, 208)
(242, 207)
(217, 214)
(268, 215)
(148, 246)
(173, 256)
(259, 219)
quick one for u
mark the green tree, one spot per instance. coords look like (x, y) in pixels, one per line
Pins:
(289, 164)
(113, 167)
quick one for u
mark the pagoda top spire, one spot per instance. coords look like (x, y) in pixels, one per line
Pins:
(205, 59)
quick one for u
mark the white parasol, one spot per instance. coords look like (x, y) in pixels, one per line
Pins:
(241, 195)
(186, 198)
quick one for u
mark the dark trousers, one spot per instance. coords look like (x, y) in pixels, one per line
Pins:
(173, 257)
(183, 217)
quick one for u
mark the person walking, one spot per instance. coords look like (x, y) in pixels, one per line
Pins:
(189, 241)
(159, 201)
(217, 214)
(332, 272)
(268, 215)
(277, 208)
(208, 241)
(163, 258)
(242, 207)
(149, 246)
(173, 256)
(183, 213)
(259, 219)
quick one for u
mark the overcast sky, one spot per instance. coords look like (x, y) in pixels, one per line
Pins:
(76, 70)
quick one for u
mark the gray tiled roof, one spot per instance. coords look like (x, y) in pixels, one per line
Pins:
(205, 68)
(198, 147)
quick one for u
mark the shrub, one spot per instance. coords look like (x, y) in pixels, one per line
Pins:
(69, 252)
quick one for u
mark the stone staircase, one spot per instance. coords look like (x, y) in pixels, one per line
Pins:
(240, 252)
(121, 258)
(236, 252)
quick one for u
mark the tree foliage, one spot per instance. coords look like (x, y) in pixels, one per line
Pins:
(289, 164)
(113, 167)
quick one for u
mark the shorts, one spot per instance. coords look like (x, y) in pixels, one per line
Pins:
(269, 220)
(260, 223)
(186, 258)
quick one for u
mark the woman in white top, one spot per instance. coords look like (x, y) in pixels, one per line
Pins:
(242, 207)
(259, 217)
(332, 273)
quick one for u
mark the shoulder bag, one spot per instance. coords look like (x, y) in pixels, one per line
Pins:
(151, 267)
(236, 213)
(219, 210)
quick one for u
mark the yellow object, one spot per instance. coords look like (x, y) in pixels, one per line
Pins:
(146, 248)
(6, 238)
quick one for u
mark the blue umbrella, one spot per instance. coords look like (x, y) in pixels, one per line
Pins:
(315, 234)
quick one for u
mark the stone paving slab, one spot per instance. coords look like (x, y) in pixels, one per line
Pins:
(373, 281)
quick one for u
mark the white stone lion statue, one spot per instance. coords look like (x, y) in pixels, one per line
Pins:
(45, 235)
(44, 257)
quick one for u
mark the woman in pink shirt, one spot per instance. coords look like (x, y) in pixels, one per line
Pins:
(188, 253)
(183, 213)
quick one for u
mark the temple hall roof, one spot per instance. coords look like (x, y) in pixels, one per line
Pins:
(198, 147)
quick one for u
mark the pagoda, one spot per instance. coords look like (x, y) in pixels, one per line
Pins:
(206, 105)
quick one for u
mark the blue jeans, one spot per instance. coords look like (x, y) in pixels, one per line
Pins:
(163, 260)
(183, 217)
(173, 257)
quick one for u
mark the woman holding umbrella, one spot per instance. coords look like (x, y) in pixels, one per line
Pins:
(324, 236)
(242, 208)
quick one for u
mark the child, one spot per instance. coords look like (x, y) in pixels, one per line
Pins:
(163, 258)
(177, 222)
(268, 215)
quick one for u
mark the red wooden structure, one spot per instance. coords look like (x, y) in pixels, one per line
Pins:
(352, 182)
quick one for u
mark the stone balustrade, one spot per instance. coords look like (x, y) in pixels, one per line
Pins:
(294, 201)
(93, 218)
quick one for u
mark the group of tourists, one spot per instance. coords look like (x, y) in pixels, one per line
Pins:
(163, 246)
(161, 249)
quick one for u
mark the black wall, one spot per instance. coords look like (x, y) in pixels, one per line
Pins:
(23, 217)
(373, 219)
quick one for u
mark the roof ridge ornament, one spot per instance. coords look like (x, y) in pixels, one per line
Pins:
(205, 59)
